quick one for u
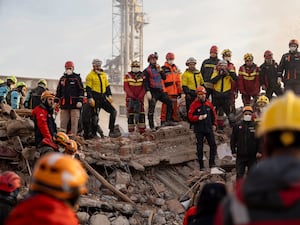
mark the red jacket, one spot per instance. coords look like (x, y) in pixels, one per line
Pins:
(134, 86)
(41, 209)
(249, 80)
(190, 212)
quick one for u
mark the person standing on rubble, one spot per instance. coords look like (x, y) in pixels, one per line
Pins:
(10, 83)
(222, 79)
(269, 193)
(289, 68)
(172, 85)
(249, 80)
(208, 200)
(191, 79)
(44, 124)
(99, 96)
(33, 98)
(14, 98)
(203, 115)
(57, 182)
(270, 81)
(244, 144)
(155, 90)
(208, 67)
(70, 94)
(135, 92)
(10, 184)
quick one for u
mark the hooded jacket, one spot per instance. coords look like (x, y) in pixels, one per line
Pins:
(270, 194)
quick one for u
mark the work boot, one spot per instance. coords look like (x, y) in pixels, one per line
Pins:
(114, 134)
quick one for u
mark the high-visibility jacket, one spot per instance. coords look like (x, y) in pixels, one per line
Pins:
(249, 80)
(97, 82)
(191, 80)
(172, 82)
(134, 86)
(222, 82)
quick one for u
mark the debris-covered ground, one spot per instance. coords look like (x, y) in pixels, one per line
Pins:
(135, 179)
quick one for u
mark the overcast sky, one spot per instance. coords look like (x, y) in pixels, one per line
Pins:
(38, 36)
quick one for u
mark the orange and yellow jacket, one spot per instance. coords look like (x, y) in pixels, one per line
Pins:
(173, 81)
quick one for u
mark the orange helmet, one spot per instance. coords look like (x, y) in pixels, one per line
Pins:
(294, 41)
(9, 181)
(214, 49)
(248, 108)
(268, 54)
(201, 90)
(69, 64)
(59, 175)
(61, 138)
(170, 56)
(47, 94)
(71, 147)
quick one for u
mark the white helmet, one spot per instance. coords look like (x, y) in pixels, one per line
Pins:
(190, 60)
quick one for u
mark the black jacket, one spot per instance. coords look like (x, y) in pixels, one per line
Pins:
(243, 141)
(269, 74)
(207, 68)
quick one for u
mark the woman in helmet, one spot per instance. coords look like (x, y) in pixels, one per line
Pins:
(14, 98)
(33, 98)
(57, 182)
(10, 184)
(45, 126)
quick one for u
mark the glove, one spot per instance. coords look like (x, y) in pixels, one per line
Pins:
(149, 96)
(78, 105)
(91, 102)
(109, 98)
(202, 117)
(279, 80)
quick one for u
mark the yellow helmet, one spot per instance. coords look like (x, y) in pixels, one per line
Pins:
(21, 84)
(59, 175)
(61, 138)
(13, 79)
(283, 113)
(1, 81)
(262, 99)
(248, 56)
(226, 52)
(42, 81)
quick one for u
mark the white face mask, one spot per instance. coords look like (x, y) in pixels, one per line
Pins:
(171, 62)
(69, 71)
(293, 48)
(227, 58)
(247, 117)
(98, 71)
(135, 69)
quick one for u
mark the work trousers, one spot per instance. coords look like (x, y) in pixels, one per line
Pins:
(210, 137)
(242, 163)
(163, 113)
(70, 114)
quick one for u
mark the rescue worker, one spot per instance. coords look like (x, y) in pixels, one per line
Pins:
(172, 85)
(100, 97)
(268, 194)
(33, 98)
(203, 115)
(244, 145)
(57, 182)
(269, 79)
(208, 200)
(207, 68)
(249, 80)
(260, 106)
(10, 83)
(10, 184)
(226, 55)
(191, 79)
(222, 79)
(155, 90)
(135, 92)
(289, 68)
(44, 124)
(70, 94)
(15, 97)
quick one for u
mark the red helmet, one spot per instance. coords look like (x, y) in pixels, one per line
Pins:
(268, 54)
(201, 90)
(9, 181)
(170, 56)
(294, 41)
(214, 49)
(152, 56)
(69, 64)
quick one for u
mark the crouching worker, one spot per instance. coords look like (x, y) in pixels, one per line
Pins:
(10, 184)
(57, 182)
(44, 124)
